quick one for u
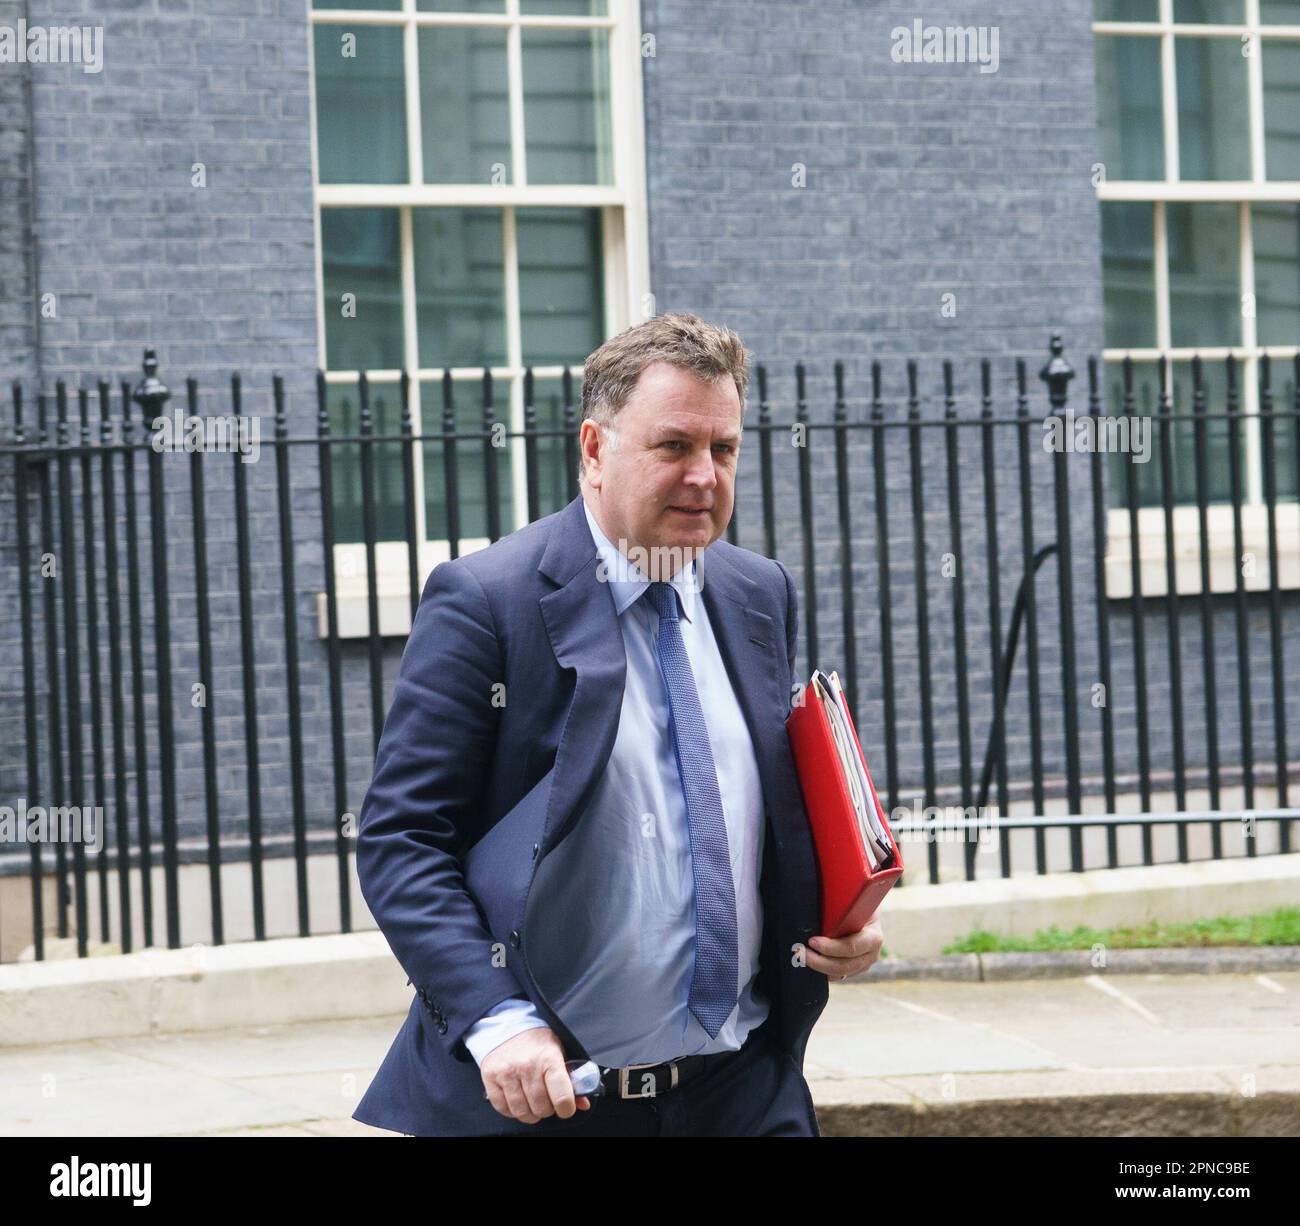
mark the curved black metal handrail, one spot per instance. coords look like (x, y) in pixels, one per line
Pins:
(1008, 664)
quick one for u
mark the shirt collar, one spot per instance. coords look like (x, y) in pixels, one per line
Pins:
(628, 582)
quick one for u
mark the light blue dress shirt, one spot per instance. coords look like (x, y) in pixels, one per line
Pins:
(612, 944)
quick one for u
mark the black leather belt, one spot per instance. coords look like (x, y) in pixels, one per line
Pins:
(655, 1080)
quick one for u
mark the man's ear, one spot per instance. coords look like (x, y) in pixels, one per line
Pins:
(591, 459)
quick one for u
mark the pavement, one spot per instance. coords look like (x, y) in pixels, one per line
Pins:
(1132, 1054)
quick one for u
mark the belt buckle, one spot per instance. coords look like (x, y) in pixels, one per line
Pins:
(623, 1078)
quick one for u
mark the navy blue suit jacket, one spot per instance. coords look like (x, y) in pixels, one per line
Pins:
(505, 712)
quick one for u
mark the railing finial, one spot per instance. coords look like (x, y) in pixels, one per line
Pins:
(1057, 373)
(151, 392)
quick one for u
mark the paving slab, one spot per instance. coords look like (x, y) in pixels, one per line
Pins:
(1141, 1055)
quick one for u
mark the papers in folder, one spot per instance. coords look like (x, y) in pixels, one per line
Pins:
(875, 838)
(857, 856)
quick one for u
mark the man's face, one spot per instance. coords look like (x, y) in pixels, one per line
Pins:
(671, 481)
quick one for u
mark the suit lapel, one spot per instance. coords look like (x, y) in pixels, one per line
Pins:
(754, 659)
(583, 628)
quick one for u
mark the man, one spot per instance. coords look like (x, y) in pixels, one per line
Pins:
(584, 837)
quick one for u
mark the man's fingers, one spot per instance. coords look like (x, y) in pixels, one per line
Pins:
(496, 1096)
(839, 968)
(517, 1100)
(855, 945)
(845, 947)
(502, 1104)
(559, 1086)
(536, 1091)
(498, 1099)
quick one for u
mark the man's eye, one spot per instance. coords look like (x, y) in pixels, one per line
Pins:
(672, 442)
(725, 446)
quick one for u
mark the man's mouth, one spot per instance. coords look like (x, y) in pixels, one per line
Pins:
(696, 512)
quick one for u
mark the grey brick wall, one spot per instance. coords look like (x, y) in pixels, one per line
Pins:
(17, 340)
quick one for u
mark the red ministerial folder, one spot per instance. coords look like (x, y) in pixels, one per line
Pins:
(851, 889)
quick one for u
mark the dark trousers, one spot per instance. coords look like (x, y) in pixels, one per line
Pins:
(755, 1092)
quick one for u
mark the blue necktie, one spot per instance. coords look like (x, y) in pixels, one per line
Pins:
(713, 982)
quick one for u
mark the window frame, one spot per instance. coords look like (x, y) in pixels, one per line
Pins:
(626, 254)
(1243, 193)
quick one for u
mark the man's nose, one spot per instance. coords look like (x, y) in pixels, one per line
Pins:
(701, 471)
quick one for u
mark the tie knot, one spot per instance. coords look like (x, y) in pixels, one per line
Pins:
(663, 598)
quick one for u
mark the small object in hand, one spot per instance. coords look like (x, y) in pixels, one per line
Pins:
(585, 1075)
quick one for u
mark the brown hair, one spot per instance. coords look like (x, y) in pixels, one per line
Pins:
(708, 351)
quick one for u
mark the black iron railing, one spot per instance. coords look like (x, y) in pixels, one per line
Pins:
(172, 672)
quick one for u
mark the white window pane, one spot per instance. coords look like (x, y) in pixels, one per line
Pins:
(1213, 115)
(471, 500)
(1281, 68)
(1204, 274)
(459, 286)
(1128, 274)
(1130, 134)
(1279, 12)
(1147, 476)
(1122, 469)
(566, 106)
(1214, 388)
(1210, 12)
(461, 6)
(1275, 229)
(1286, 429)
(561, 284)
(343, 405)
(363, 289)
(552, 464)
(464, 105)
(564, 8)
(360, 104)
(1126, 10)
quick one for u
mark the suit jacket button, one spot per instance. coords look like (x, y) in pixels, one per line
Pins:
(442, 1026)
(514, 938)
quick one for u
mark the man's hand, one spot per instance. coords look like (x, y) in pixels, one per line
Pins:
(840, 957)
(526, 1080)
